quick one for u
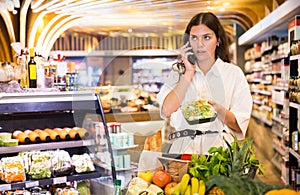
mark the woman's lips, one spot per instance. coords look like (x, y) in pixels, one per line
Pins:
(201, 52)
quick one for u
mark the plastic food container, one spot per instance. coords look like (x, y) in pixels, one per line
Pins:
(10, 142)
(5, 135)
(12, 169)
(197, 112)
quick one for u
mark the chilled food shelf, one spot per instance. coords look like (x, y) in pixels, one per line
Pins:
(107, 167)
(50, 181)
(47, 146)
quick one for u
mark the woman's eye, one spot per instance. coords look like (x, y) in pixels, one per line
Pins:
(206, 37)
(194, 38)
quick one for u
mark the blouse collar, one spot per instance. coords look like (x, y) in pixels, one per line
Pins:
(215, 69)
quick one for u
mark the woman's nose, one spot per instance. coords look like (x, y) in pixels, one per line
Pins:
(200, 42)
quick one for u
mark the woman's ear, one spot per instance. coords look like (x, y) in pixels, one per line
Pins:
(218, 42)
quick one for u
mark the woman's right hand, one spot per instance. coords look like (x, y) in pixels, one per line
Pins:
(185, 51)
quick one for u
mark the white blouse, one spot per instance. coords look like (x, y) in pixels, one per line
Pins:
(224, 84)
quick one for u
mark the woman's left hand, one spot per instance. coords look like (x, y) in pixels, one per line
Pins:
(220, 110)
(226, 116)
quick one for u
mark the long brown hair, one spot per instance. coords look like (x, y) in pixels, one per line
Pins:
(212, 22)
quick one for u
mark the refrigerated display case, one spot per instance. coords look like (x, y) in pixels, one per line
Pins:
(24, 111)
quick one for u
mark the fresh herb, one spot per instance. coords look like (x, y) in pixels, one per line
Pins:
(235, 185)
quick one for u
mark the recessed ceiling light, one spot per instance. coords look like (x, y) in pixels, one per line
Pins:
(226, 4)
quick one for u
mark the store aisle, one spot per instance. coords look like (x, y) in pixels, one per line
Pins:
(262, 137)
(272, 175)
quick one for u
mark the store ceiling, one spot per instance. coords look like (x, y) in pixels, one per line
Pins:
(153, 16)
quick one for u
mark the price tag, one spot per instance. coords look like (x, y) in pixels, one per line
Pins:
(5, 187)
(31, 184)
(58, 180)
(86, 142)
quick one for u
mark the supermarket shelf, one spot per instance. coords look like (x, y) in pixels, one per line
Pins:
(279, 150)
(256, 80)
(274, 23)
(271, 72)
(105, 166)
(280, 88)
(277, 164)
(47, 146)
(266, 82)
(267, 108)
(50, 181)
(295, 105)
(294, 153)
(277, 102)
(267, 122)
(263, 92)
(277, 133)
(258, 102)
(126, 148)
(277, 119)
(295, 57)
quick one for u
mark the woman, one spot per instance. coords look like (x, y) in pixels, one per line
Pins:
(213, 78)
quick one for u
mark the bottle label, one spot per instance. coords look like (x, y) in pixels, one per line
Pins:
(32, 72)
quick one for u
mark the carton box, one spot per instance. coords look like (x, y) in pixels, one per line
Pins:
(175, 167)
(294, 29)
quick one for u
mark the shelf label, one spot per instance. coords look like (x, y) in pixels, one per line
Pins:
(31, 184)
(86, 142)
(5, 187)
(59, 180)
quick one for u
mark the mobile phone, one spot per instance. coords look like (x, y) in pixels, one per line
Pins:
(191, 58)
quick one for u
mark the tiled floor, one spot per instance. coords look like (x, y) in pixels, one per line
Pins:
(262, 137)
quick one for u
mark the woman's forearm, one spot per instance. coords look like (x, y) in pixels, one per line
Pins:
(226, 116)
(175, 97)
(231, 121)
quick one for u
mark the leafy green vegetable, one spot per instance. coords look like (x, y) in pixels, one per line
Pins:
(235, 185)
(236, 160)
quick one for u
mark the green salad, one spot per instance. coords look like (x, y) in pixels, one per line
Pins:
(199, 109)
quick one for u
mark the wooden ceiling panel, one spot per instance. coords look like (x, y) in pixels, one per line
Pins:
(153, 16)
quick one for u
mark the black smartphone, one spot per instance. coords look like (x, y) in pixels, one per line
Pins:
(191, 58)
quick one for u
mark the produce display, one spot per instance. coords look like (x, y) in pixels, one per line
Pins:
(199, 111)
(223, 171)
(140, 186)
(234, 160)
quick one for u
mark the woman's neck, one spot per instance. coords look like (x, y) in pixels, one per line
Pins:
(205, 66)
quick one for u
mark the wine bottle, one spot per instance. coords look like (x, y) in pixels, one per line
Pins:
(32, 70)
(117, 187)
